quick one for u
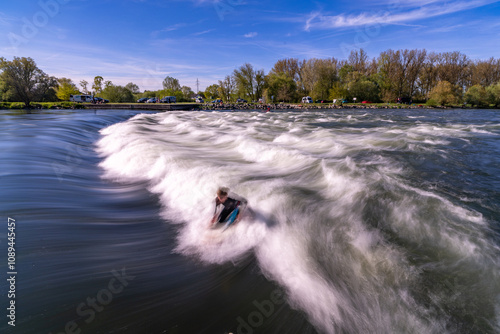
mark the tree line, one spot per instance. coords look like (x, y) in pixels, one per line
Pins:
(22, 81)
(395, 75)
(401, 75)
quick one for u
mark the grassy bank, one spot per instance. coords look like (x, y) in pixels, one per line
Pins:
(42, 105)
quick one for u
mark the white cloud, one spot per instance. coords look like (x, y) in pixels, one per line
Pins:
(250, 35)
(203, 32)
(316, 20)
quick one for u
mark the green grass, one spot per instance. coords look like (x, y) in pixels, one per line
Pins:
(41, 105)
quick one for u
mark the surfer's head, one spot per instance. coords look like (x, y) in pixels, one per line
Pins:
(222, 193)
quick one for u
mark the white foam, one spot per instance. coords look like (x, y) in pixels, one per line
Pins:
(309, 193)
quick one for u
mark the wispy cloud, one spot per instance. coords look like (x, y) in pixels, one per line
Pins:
(431, 8)
(250, 35)
(203, 32)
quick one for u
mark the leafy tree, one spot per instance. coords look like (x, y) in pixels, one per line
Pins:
(249, 82)
(358, 60)
(132, 87)
(280, 86)
(117, 94)
(318, 76)
(260, 82)
(107, 83)
(25, 81)
(288, 66)
(186, 92)
(338, 91)
(363, 89)
(494, 94)
(453, 67)
(477, 96)
(172, 84)
(84, 85)
(485, 72)
(226, 87)
(245, 81)
(66, 88)
(97, 85)
(5, 92)
(212, 91)
(399, 71)
(445, 93)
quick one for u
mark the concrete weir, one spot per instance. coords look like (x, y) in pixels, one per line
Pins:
(144, 106)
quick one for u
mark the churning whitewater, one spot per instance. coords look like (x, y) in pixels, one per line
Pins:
(360, 218)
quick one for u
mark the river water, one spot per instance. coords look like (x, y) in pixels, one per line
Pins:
(359, 221)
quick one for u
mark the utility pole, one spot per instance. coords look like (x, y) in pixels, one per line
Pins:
(197, 86)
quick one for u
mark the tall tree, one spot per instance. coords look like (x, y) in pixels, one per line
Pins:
(212, 91)
(280, 87)
(485, 72)
(65, 88)
(132, 87)
(399, 71)
(27, 82)
(226, 87)
(97, 85)
(249, 82)
(245, 81)
(445, 93)
(288, 66)
(494, 94)
(453, 67)
(117, 94)
(186, 92)
(84, 85)
(318, 76)
(172, 84)
(359, 61)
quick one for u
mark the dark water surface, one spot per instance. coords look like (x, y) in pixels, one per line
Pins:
(380, 221)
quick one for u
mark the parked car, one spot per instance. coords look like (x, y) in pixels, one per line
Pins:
(80, 98)
(100, 100)
(168, 99)
(199, 100)
(217, 101)
(241, 100)
(143, 99)
(307, 99)
(152, 100)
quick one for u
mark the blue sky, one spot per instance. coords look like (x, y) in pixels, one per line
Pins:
(143, 41)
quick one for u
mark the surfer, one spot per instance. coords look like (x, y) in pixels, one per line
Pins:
(229, 205)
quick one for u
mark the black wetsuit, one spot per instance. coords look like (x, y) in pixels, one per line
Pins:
(229, 205)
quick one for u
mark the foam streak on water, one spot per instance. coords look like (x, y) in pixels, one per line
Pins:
(359, 218)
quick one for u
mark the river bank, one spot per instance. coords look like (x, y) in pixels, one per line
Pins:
(221, 106)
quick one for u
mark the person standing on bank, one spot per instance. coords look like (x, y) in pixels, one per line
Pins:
(229, 204)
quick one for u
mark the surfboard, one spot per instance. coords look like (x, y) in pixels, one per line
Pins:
(231, 218)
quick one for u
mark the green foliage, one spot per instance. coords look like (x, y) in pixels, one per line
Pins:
(477, 96)
(281, 86)
(212, 91)
(97, 85)
(43, 105)
(494, 94)
(23, 81)
(249, 82)
(432, 103)
(171, 84)
(445, 93)
(117, 94)
(132, 87)
(84, 85)
(66, 88)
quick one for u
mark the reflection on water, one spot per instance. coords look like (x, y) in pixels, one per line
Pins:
(363, 222)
